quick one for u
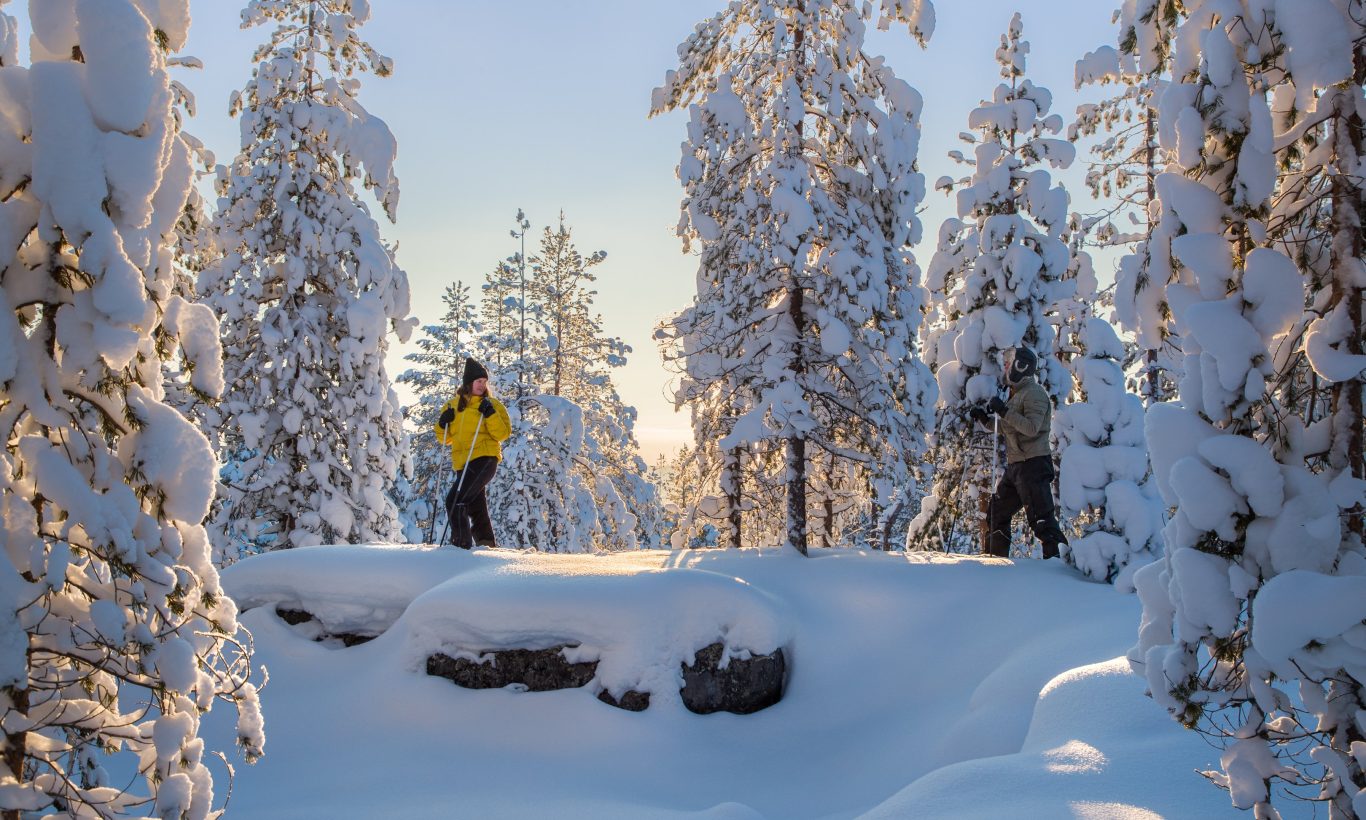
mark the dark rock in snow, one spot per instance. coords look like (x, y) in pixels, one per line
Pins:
(293, 617)
(742, 687)
(539, 670)
(631, 701)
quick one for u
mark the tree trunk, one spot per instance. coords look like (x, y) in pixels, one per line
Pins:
(1150, 163)
(796, 493)
(796, 443)
(15, 744)
(1348, 209)
(731, 486)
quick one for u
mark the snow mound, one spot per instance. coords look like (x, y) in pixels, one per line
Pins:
(360, 589)
(918, 685)
(640, 625)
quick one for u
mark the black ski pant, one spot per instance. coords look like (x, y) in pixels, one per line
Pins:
(1027, 484)
(468, 511)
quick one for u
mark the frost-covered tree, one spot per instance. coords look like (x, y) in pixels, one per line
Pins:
(438, 364)
(580, 360)
(115, 636)
(565, 409)
(997, 276)
(542, 498)
(1122, 178)
(1103, 477)
(1252, 622)
(307, 290)
(800, 193)
(559, 281)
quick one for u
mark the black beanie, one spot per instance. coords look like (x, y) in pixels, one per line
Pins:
(1024, 365)
(473, 370)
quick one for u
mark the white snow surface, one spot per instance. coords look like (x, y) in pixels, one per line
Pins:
(919, 685)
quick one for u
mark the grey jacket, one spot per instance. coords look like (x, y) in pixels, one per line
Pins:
(1027, 422)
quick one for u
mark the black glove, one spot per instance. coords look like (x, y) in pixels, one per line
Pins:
(979, 415)
(997, 406)
(446, 418)
(486, 407)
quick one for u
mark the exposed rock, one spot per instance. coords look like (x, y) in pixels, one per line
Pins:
(631, 700)
(742, 687)
(539, 670)
(295, 617)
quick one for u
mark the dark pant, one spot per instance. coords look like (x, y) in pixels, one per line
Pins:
(468, 511)
(1027, 484)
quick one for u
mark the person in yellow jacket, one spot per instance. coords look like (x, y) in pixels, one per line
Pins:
(472, 424)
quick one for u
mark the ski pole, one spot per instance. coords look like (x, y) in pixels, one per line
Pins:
(995, 420)
(464, 469)
(441, 482)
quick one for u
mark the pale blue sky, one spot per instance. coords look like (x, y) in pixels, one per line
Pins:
(542, 105)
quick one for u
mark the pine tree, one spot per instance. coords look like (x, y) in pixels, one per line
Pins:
(116, 634)
(1123, 177)
(800, 191)
(307, 290)
(581, 358)
(1251, 622)
(998, 274)
(571, 475)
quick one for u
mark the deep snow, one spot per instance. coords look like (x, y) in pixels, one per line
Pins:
(919, 685)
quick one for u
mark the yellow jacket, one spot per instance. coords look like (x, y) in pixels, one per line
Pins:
(458, 435)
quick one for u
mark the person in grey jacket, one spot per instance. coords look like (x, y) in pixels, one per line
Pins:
(1028, 481)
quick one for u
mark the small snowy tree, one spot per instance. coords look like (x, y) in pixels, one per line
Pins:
(1103, 474)
(307, 290)
(540, 498)
(1252, 623)
(998, 274)
(800, 191)
(115, 636)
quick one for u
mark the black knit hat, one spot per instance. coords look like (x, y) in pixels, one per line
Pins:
(1024, 365)
(473, 370)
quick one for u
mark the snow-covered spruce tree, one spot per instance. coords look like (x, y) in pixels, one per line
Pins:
(997, 275)
(1252, 623)
(571, 478)
(717, 383)
(116, 636)
(800, 190)
(581, 358)
(1122, 178)
(307, 290)
(434, 378)
(1103, 476)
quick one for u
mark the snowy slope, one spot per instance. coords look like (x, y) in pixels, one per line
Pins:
(919, 686)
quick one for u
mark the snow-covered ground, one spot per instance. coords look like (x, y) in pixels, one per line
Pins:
(918, 686)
